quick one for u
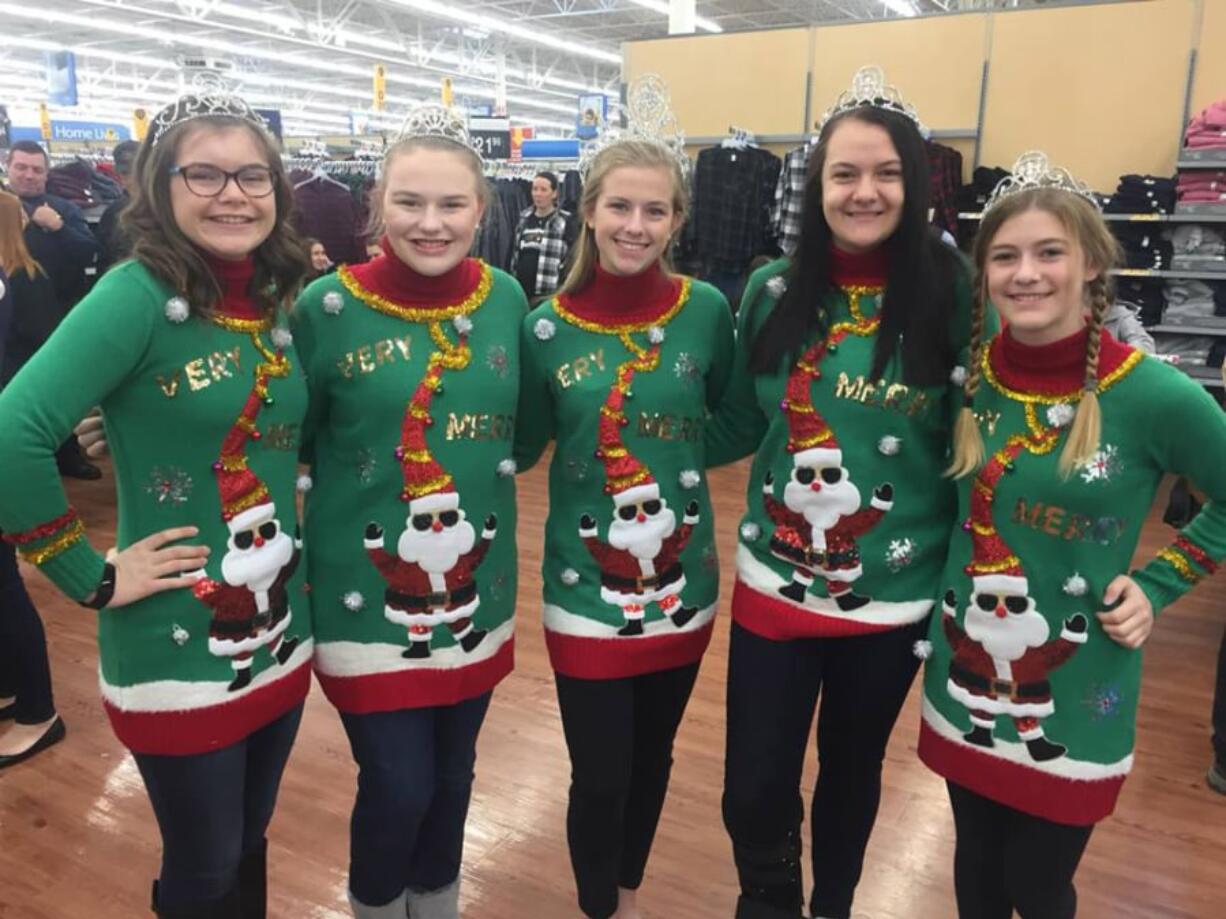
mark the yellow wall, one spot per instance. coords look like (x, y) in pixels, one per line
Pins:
(1210, 82)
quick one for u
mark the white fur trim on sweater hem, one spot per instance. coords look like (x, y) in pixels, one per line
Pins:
(224, 647)
(357, 658)
(185, 695)
(563, 622)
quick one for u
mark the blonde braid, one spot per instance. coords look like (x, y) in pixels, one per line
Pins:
(1086, 431)
(968, 451)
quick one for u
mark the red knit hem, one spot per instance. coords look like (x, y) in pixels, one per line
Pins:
(204, 730)
(1076, 802)
(418, 687)
(617, 658)
(780, 621)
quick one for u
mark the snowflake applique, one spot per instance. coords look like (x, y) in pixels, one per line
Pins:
(366, 466)
(710, 559)
(1104, 701)
(1103, 466)
(497, 587)
(686, 369)
(900, 554)
(577, 470)
(169, 486)
(498, 361)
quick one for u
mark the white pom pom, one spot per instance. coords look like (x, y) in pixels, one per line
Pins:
(689, 478)
(1060, 415)
(922, 649)
(179, 635)
(281, 338)
(544, 329)
(957, 376)
(354, 601)
(507, 467)
(304, 483)
(462, 324)
(750, 532)
(570, 577)
(1076, 586)
(177, 310)
(333, 303)
(655, 335)
(889, 445)
(777, 286)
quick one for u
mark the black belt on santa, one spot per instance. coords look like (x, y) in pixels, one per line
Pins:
(813, 558)
(423, 602)
(639, 585)
(221, 628)
(997, 687)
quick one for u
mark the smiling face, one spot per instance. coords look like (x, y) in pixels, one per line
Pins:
(431, 208)
(1036, 277)
(862, 186)
(633, 218)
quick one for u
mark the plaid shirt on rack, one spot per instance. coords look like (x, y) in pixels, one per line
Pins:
(734, 192)
(790, 198)
(555, 244)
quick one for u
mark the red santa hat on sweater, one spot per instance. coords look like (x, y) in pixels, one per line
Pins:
(245, 501)
(428, 487)
(810, 440)
(629, 481)
(994, 568)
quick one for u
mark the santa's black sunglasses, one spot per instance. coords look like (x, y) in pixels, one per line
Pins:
(244, 539)
(630, 511)
(423, 522)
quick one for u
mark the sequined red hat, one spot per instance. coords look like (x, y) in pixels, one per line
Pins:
(629, 481)
(245, 501)
(810, 440)
(428, 487)
(993, 568)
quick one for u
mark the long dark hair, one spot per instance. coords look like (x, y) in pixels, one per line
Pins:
(919, 298)
(281, 264)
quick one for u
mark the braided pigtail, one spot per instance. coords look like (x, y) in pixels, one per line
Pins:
(968, 451)
(1084, 436)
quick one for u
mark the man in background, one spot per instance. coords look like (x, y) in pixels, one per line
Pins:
(115, 246)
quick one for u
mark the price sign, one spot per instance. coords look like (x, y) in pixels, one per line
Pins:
(491, 137)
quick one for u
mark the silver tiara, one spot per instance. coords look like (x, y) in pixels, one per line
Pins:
(434, 120)
(869, 89)
(201, 105)
(1034, 170)
(649, 117)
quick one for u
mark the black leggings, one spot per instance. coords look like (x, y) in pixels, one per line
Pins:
(1007, 860)
(24, 669)
(1219, 706)
(620, 736)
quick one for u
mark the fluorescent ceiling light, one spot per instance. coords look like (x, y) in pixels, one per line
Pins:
(661, 6)
(901, 7)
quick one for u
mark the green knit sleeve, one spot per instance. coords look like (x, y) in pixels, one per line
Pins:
(93, 352)
(303, 323)
(737, 426)
(722, 353)
(534, 419)
(1188, 438)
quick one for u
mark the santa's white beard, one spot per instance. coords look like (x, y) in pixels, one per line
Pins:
(643, 540)
(822, 509)
(257, 568)
(437, 552)
(1008, 638)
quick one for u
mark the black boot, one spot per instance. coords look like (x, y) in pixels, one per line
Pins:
(631, 628)
(851, 600)
(1041, 749)
(253, 883)
(228, 907)
(286, 651)
(684, 615)
(472, 639)
(241, 678)
(417, 649)
(794, 591)
(980, 737)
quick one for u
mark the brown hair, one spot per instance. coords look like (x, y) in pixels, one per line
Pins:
(281, 264)
(376, 228)
(1102, 253)
(623, 153)
(14, 256)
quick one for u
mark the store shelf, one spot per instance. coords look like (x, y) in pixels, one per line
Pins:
(1181, 275)
(1210, 158)
(1206, 376)
(1177, 329)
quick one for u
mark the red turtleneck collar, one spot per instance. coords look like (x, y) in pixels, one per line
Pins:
(611, 299)
(389, 277)
(868, 269)
(234, 278)
(1054, 369)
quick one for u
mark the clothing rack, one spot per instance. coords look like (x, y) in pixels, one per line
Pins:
(514, 169)
(333, 167)
(739, 137)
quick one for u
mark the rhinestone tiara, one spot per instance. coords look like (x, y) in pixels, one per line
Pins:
(1034, 170)
(202, 105)
(869, 89)
(649, 117)
(434, 120)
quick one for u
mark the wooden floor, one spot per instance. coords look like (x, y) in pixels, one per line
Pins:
(77, 838)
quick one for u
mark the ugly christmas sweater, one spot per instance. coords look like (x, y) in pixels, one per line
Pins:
(202, 419)
(1027, 700)
(848, 515)
(622, 376)
(413, 383)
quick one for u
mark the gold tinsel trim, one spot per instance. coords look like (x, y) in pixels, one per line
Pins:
(258, 496)
(246, 326)
(57, 546)
(630, 327)
(1176, 560)
(426, 488)
(417, 313)
(996, 567)
(1126, 367)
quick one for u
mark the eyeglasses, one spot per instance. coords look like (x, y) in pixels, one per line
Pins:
(630, 511)
(1014, 604)
(208, 181)
(423, 522)
(805, 475)
(265, 532)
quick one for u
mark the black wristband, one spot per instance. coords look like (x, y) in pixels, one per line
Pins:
(106, 589)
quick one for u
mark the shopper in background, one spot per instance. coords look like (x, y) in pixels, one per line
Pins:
(413, 363)
(848, 520)
(205, 686)
(543, 240)
(1030, 693)
(25, 673)
(114, 242)
(320, 263)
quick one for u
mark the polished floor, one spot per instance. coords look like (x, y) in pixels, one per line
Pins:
(77, 837)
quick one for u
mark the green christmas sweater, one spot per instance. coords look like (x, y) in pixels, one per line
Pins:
(848, 515)
(202, 418)
(1027, 700)
(622, 376)
(413, 383)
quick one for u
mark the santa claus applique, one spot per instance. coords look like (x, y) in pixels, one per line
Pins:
(819, 519)
(640, 563)
(1004, 651)
(431, 578)
(250, 603)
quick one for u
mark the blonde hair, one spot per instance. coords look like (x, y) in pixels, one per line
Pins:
(620, 155)
(1102, 253)
(14, 256)
(375, 227)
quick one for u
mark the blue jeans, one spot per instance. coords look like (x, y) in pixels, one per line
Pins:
(214, 808)
(415, 778)
(24, 670)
